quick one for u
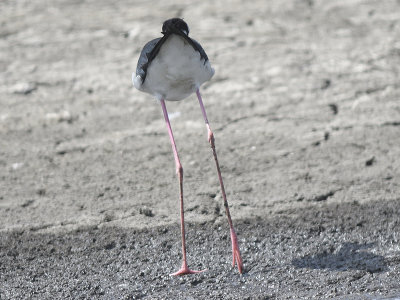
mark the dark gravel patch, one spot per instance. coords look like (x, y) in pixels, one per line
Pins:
(348, 251)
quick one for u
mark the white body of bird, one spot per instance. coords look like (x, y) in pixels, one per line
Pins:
(176, 72)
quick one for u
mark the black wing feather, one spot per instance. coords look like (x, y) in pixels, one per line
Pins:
(145, 58)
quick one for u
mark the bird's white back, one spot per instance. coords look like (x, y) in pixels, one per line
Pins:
(176, 72)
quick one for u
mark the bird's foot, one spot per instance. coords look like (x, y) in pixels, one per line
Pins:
(184, 270)
(237, 259)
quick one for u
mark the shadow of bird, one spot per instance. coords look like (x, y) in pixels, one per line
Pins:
(350, 256)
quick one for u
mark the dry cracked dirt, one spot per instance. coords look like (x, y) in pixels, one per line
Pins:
(306, 113)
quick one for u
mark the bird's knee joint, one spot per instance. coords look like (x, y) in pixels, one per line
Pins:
(211, 138)
(179, 170)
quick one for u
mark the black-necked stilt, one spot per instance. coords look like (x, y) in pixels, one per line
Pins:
(171, 68)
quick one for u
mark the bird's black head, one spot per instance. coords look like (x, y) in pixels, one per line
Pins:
(175, 24)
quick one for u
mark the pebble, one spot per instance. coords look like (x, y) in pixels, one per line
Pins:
(23, 88)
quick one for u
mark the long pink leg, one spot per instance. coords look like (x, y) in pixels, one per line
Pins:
(235, 246)
(179, 170)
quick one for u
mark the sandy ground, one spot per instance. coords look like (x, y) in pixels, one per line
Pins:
(305, 108)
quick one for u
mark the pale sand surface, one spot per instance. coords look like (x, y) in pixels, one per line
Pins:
(306, 113)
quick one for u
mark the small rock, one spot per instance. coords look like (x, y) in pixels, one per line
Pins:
(146, 211)
(227, 19)
(108, 217)
(212, 195)
(334, 108)
(110, 245)
(370, 161)
(326, 135)
(325, 84)
(23, 88)
(323, 197)
(41, 192)
(27, 203)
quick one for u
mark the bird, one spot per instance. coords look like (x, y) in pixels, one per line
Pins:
(171, 68)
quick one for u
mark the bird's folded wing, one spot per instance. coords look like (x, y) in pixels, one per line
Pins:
(151, 49)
